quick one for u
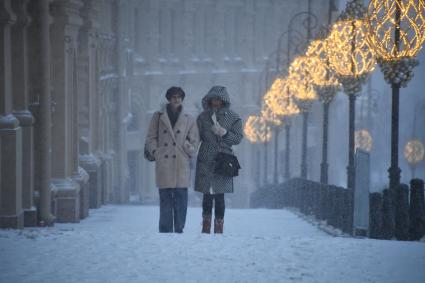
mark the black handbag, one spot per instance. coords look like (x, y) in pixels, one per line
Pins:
(226, 164)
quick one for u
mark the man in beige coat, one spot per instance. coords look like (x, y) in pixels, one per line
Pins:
(172, 139)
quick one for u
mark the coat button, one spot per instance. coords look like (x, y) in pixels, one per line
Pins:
(165, 131)
(165, 144)
(174, 156)
(174, 143)
(178, 131)
(166, 156)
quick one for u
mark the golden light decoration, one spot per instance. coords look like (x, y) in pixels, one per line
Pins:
(414, 152)
(326, 75)
(270, 116)
(348, 50)
(301, 79)
(363, 140)
(396, 27)
(257, 130)
(317, 48)
(279, 99)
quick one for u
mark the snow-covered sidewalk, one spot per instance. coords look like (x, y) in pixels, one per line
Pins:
(121, 244)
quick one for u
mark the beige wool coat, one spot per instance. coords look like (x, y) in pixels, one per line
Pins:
(172, 148)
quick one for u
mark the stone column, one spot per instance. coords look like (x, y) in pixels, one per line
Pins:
(20, 88)
(121, 192)
(106, 85)
(65, 171)
(41, 104)
(11, 213)
(153, 50)
(91, 195)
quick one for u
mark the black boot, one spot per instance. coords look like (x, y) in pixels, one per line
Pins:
(218, 226)
(206, 224)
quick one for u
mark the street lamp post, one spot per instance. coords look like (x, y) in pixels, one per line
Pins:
(279, 100)
(326, 85)
(352, 59)
(396, 32)
(294, 43)
(300, 76)
(287, 148)
(276, 152)
(257, 131)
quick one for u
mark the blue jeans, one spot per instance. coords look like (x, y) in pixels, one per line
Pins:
(172, 208)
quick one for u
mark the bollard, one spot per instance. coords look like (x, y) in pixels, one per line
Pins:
(332, 210)
(401, 205)
(417, 210)
(375, 215)
(317, 200)
(347, 211)
(387, 215)
(323, 202)
(338, 208)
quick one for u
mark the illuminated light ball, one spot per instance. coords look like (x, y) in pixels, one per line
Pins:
(349, 52)
(363, 140)
(414, 152)
(256, 130)
(382, 25)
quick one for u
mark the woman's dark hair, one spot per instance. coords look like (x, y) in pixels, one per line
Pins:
(173, 91)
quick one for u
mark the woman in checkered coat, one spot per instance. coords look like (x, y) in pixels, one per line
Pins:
(220, 128)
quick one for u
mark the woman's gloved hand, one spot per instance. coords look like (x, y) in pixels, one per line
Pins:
(218, 130)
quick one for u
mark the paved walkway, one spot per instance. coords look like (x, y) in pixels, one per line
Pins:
(121, 244)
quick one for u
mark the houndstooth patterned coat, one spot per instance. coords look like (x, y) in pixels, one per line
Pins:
(211, 143)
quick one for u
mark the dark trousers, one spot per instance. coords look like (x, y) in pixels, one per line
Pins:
(172, 209)
(207, 205)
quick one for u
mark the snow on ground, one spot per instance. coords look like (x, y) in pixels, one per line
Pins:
(121, 244)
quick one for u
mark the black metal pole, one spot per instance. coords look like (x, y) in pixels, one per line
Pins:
(304, 147)
(394, 171)
(276, 156)
(305, 114)
(288, 155)
(265, 169)
(324, 165)
(351, 168)
(258, 165)
(265, 165)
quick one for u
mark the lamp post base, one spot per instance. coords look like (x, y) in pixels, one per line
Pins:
(324, 173)
(394, 174)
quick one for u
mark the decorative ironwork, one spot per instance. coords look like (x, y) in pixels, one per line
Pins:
(398, 71)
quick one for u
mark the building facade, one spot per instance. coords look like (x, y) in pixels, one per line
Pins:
(64, 108)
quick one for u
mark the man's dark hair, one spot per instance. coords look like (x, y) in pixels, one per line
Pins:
(173, 91)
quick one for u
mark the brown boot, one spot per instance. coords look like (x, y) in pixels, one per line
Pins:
(218, 226)
(206, 224)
